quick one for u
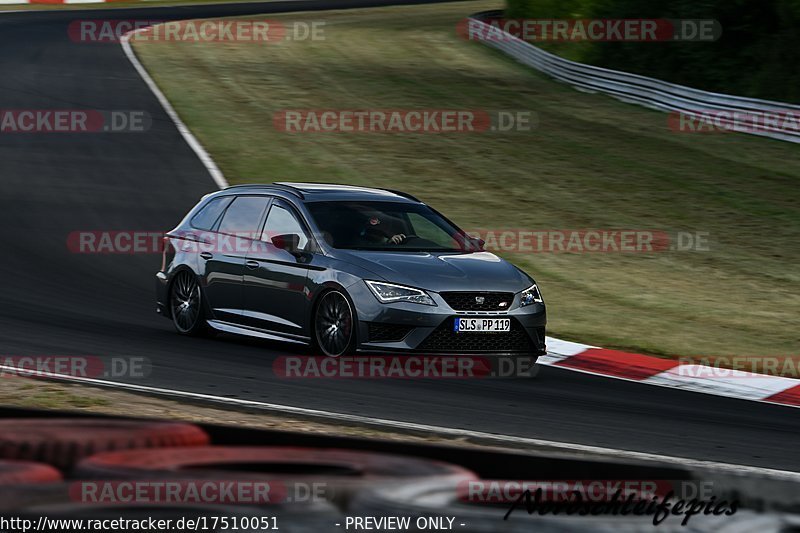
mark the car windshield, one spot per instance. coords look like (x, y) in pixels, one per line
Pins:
(371, 225)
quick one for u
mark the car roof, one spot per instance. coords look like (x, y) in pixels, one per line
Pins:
(312, 192)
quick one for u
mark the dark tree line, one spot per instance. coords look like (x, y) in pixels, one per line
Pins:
(758, 53)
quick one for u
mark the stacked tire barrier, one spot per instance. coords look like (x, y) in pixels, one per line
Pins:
(56, 488)
(103, 469)
(106, 468)
(62, 442)
(632, 88)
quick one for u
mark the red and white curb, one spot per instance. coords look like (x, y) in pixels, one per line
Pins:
(671, 373)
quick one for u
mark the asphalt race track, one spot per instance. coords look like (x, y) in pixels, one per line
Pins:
(57, 302)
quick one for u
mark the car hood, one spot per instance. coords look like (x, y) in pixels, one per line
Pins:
(477, 271)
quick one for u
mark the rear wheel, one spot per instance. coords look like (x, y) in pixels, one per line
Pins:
(334, 324)
(186, 304)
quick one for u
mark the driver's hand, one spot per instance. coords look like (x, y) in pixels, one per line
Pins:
(397, 239)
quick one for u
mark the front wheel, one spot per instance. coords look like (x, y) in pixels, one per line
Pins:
(334, 324)
(186, 304)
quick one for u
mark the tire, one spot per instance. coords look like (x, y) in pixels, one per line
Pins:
(186, 305)
(19, 472)
(334, 324)
(62, 442)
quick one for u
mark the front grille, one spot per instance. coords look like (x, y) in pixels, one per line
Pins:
(444, 339)
(478, 301)
(379, 332)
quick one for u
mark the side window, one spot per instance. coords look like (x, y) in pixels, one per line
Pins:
(209, 214)
(243, 216)
(281, 221)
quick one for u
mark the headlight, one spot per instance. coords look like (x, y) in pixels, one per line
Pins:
(389, 292)
(531, 295)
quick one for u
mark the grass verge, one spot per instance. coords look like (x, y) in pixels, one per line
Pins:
(592, 162)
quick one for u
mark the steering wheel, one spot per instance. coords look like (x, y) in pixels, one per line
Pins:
(404, 241)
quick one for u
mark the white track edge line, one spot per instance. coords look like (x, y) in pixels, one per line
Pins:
(727, 468)
(191, 140)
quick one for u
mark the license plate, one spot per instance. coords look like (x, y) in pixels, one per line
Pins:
(482, 325)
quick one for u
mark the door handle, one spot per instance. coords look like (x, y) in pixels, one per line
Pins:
(252, 264)
(206, 255)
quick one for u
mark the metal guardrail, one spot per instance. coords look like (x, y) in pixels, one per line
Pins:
(648, 92)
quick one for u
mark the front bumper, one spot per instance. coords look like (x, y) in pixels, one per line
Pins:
(409, 327)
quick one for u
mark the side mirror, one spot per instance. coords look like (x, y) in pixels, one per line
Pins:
(289, 242)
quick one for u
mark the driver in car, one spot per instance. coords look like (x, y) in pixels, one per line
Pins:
(376, 231)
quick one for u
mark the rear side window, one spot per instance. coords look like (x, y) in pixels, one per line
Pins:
(244, 216)
(209, 214)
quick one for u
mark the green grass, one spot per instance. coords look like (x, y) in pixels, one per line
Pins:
(52, 398)
(593, 162)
